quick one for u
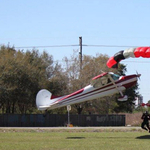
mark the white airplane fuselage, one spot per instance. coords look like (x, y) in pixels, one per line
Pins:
(87, 93)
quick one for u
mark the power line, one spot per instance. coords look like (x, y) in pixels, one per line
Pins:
(136, 61)
(47, 46)
(74, 45)
(110, 45)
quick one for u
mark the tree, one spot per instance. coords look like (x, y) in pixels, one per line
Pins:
(22, 76)
(92, 66)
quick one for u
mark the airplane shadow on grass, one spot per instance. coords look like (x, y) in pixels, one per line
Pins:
(139, 137)
(143, 137)
(75, 138)
(98, 137)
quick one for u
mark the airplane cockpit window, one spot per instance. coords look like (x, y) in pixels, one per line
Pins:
(104, 80)
(99, 82)
(115, 76)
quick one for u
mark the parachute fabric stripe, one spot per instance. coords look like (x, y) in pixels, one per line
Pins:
(142, 52)
(111, 62)
(147, 104)
(130, 52)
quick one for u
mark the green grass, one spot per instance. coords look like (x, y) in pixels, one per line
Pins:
(33, 140)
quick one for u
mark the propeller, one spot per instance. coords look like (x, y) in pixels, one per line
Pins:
(138, 75)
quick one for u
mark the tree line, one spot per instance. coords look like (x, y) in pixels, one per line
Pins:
(23, 74)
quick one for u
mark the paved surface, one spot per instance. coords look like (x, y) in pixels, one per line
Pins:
(72, 128)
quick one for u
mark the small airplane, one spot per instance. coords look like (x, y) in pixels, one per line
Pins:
(105, 84)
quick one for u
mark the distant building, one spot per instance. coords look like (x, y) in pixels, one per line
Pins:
(138, 100)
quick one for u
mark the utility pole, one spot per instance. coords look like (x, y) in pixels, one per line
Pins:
(80, 52)
(80, 57)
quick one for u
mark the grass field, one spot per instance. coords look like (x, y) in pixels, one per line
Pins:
(73, 140)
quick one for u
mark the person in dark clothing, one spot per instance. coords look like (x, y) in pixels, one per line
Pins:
(146, 118)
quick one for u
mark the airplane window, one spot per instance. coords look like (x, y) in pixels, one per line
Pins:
(100, 82)
(115, 76)
(97, 84)
(104, 80)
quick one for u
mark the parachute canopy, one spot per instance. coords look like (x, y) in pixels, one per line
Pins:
(130, 52)
(147, 104)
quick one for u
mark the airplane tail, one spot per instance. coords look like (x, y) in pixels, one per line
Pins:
(43, 98)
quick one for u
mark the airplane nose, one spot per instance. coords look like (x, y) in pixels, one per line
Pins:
(138, 75)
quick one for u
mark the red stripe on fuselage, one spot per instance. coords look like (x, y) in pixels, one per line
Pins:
(71, 96)
(98, 91)
(68, 100)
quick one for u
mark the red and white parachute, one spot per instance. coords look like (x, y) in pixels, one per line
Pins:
(130, 52)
